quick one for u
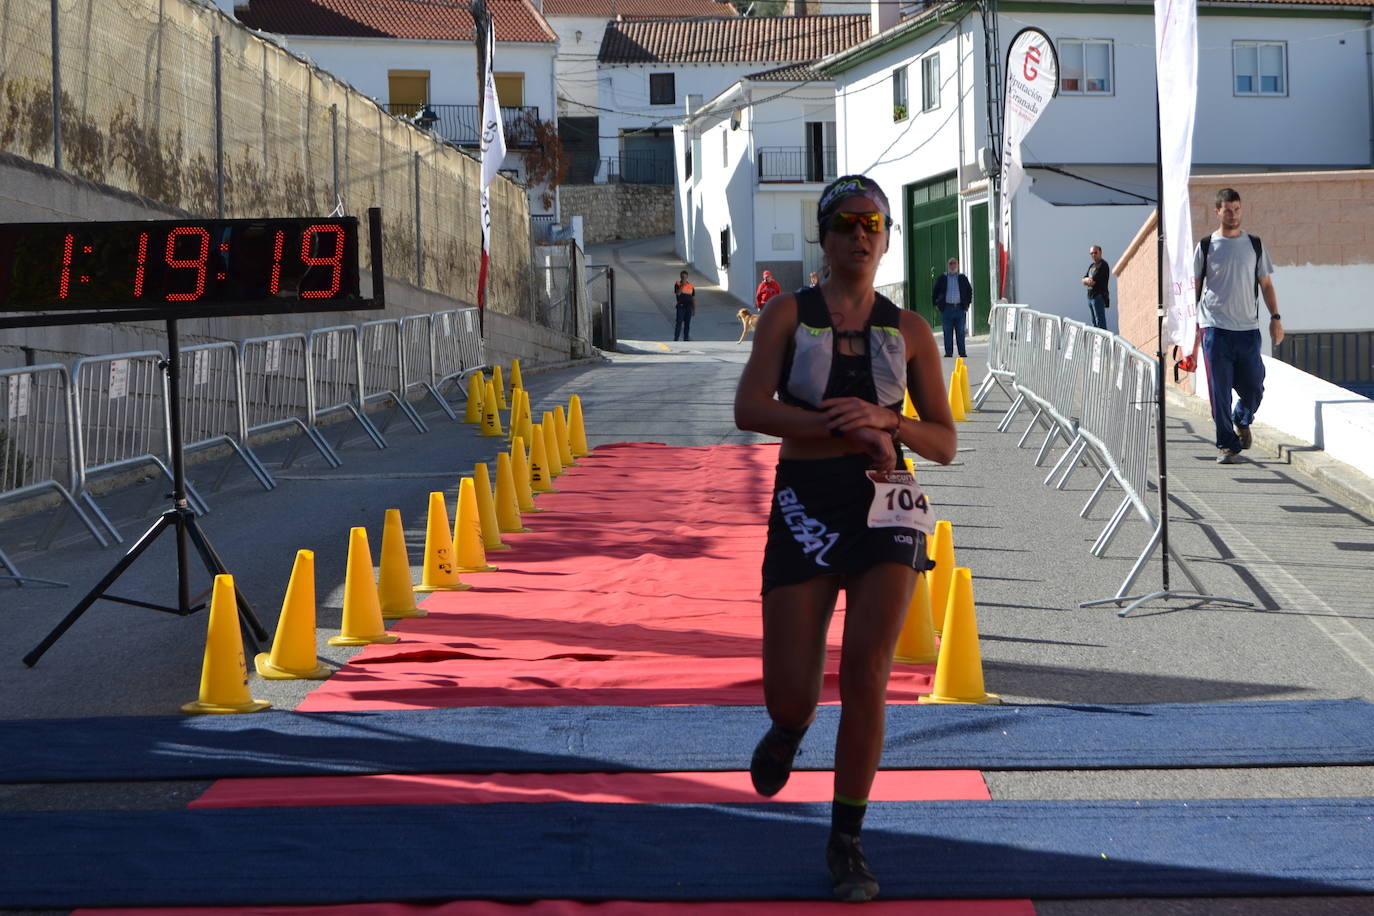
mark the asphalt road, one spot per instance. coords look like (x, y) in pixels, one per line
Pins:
(1273, 531)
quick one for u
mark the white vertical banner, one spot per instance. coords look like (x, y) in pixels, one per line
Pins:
(493, 154)
(1176, 84)
(1032, 80)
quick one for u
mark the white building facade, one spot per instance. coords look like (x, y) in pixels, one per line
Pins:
(751, 164)
(1281, 87)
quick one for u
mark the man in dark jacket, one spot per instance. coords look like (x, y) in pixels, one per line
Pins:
(952, 295)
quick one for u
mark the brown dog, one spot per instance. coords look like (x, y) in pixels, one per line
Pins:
(747, 320)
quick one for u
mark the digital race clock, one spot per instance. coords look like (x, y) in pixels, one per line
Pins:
(68, 273)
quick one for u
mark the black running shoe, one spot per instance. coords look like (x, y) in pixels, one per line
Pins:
(772, 761)
(1246, 440)
(849, 872)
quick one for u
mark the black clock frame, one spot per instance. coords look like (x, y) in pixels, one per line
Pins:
(181, 518)
(22, 308)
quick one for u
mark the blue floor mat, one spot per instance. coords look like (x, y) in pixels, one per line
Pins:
(265, 856)
(580, 739)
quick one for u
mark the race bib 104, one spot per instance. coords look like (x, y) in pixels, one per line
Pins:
(898, 502)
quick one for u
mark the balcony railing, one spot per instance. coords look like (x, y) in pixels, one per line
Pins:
(462, 124)
(641, 168)
(796, 163)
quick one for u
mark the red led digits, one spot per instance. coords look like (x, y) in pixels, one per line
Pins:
(198, 263)
(142, 264)
(335, 260)
(65, 283)
(274, 286)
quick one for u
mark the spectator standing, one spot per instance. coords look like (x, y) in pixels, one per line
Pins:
(685, 295)
(768, 288)
(952, 295)
(1095, 279)
(1232, 269)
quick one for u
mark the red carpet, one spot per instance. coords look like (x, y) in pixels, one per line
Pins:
(638, 585)
(625, 788)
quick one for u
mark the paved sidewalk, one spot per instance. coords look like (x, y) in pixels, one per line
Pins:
(1267, 530)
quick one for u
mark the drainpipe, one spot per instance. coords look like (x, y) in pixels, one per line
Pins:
(1369, 80)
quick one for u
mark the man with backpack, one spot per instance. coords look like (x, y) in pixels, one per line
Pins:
(1232, 269)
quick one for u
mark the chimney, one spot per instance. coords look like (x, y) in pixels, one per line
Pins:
(883, 15)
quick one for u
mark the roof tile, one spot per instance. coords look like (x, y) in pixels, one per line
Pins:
(778, 40)
(642, 9)
(516, 20)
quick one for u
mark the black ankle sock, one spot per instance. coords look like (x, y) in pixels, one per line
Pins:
(793, 735)
(847, 816)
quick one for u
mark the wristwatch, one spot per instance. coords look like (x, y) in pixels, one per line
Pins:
(1276, 317)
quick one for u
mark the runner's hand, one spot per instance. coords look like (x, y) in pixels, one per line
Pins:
(878, 445)
(849, 414)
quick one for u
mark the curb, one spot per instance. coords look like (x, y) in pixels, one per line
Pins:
(1353, 488)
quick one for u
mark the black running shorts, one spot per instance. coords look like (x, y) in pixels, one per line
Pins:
(818, 525)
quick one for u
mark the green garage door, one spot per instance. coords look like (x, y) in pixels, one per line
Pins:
(932, 219)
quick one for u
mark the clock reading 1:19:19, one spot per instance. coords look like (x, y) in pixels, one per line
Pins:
(54, 266)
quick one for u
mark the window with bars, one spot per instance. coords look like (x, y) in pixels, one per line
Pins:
(1085, 66)
(1261, 67)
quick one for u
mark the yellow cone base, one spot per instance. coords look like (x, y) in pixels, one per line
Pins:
(408, 612)
(987, 699)
(485, 568)
(200, 706)
(275, 673)
(382, 639)
(460, 587)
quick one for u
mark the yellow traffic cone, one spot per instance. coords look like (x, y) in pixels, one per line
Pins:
(395, 586)
(224, 673)
(515, 380)
(500, 386)
(526, 417)
(491, 412)
(486, 508)
(577, 432)
(293, 647)
(539, 465)
(942, 552)
(520, 470)
(477, 388)
(362, 609)
(468, 552)
(964, 392)
(439, 573)
(560, 428)
(916, 645)
(959, 671)
(956, 400)
(551, 453)
(908, 407)
(507, 507)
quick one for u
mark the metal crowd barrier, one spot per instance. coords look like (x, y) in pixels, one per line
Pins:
(38, 449)
(111, 412)
(458, 348)
(381, 366)
(212, 406)
(276, 390)
(336, 381)
(1001, 336)
(417, 361)
(122, 419)
(1099, 394)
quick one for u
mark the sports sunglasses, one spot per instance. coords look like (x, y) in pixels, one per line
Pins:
(873, 221)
